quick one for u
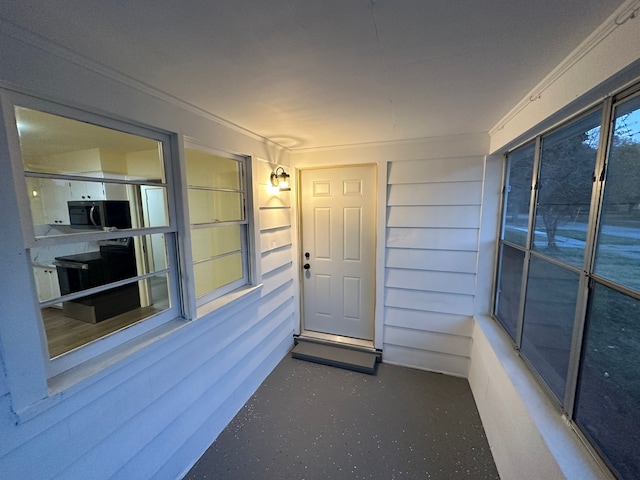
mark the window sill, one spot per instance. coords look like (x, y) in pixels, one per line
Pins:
(228, 300)
(525, 429)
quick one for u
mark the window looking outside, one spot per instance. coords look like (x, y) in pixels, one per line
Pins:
(509, 285)
(609, 385)
(100, 226)
(514, 235)
(219, 226)
(618, 248)
(550, 304)
(518, 195)
(567, 165)
(568, 293)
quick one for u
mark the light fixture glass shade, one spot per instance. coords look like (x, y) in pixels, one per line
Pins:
(280, 179)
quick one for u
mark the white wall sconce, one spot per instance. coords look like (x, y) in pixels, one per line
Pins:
(280, 180)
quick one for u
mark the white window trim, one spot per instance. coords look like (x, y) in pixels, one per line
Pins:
(226, 297)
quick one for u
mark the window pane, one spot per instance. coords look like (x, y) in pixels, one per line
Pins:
(550, 304)
(618, 252)
(85, 319)
(79, 266)
(207, 170)
(518, 195)
(608, 393)
(211, 242)
(53, 144)
(213, 274)
(207, 206)
(564, 189)
(216, 195)
(508, 295)
(65, 148)
(63, 207)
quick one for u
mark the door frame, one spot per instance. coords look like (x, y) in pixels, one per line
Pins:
(379, 255)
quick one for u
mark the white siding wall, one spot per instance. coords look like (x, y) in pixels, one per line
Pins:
(152, 413)
(275, 233)
(433, 219)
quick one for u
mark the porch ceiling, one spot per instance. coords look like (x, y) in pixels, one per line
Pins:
(312, 73)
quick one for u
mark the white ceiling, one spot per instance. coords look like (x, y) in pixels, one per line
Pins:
(314, 73)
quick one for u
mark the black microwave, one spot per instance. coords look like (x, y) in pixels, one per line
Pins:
(100, 214)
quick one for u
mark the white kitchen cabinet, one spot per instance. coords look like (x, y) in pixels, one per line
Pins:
(46, 283)
(87, 191)
(55, 195)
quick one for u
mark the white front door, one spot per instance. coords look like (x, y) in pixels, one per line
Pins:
(338, 212)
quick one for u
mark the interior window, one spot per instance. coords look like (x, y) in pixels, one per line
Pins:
(96, 194)
(218, 217)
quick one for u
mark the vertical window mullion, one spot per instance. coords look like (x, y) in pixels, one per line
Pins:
(530, 238)
(497, 270)
(589, 257)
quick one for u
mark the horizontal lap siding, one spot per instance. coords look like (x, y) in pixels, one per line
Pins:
(441, 216)
(160, 385)
(433, 260)
(447, 239)
(162, 407)
(434, 281)
(455, 170)
(447, 193)
(429, 301)
(272, 239)
(226, 372)
(433, 220)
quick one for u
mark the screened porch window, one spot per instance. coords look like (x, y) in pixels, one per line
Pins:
(568, 289)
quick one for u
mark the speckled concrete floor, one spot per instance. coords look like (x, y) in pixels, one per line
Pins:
(310, 421)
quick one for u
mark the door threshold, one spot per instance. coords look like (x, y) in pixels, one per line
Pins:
(338, 341)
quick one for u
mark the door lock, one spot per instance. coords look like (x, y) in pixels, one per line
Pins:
(306, 255)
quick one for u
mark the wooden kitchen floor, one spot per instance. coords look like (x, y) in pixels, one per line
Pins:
(64, 333)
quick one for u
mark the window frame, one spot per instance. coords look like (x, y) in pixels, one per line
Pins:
(32, 376)
(252, 278)
(588, 279)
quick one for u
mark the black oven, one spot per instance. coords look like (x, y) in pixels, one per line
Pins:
(114, 261)
(80, 272)
(99, 214)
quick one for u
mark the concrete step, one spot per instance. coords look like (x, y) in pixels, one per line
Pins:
(336, 356)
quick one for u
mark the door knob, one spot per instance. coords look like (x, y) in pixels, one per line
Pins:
(306, 266)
